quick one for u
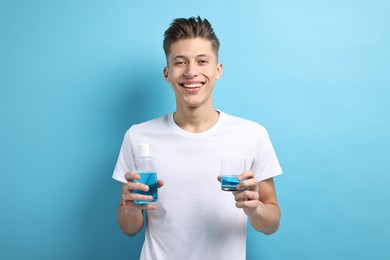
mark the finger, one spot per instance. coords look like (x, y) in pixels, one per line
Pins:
(131, 176)
(131, 206)
(219, 178)
(131, 197)
(247, 204)
(246, 175)
(246, 195)
(160, 183)
(131, 186)
(149, 207)
(250, 184)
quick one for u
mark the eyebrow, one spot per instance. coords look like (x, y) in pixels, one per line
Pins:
(186, 57)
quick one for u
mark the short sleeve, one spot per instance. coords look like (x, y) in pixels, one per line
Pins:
(125, 158)
(266, 164)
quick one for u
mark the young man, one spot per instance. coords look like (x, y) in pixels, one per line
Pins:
(193, 218)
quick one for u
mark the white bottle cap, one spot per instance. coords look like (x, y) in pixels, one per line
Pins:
(143, 150)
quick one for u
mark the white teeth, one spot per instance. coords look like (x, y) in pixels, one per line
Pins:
(192, 85)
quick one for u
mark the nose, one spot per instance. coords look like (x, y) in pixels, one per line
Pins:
(191, 70)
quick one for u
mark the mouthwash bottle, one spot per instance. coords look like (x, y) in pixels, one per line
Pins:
(145, 167)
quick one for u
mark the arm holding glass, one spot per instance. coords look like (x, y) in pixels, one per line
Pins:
(258, 201)
(130, 218)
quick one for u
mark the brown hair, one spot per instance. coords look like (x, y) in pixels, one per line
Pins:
(193, 27)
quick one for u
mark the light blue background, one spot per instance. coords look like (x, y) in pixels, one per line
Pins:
(74, 75)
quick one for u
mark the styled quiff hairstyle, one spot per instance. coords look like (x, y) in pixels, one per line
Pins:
(191, 28)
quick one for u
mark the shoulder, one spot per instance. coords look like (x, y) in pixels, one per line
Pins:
(155, 124)
(242, 123)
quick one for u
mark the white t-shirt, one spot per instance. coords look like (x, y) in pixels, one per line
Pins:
(194, 218)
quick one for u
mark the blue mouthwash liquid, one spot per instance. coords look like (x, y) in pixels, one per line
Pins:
(229, 182)
(149, 179)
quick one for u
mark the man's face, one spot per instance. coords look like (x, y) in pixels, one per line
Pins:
(192, 70)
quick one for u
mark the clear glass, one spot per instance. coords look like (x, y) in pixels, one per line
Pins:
(230, 170)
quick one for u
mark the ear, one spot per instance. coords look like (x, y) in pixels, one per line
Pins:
(166, 74)
(219, 71)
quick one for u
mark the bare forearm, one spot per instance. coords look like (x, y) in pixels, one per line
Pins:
(266, 219)
(130, 223)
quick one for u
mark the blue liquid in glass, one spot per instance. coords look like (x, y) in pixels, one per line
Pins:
(149, 179)
(229, 182)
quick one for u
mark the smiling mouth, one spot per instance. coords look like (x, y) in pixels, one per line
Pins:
(192, 85)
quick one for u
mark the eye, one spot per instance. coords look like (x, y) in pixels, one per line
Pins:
(179, 62)
(202, 62)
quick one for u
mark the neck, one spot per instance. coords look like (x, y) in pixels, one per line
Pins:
(196, 120)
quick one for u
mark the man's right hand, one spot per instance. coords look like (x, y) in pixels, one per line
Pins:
(128, 196)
